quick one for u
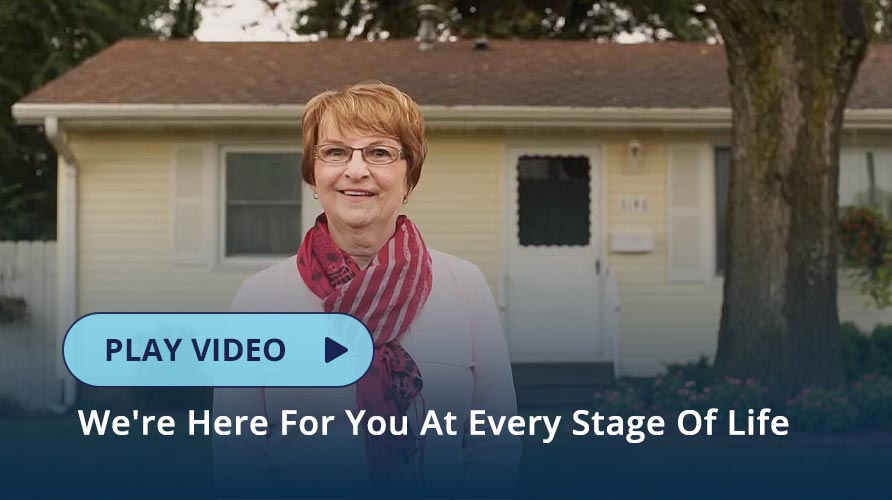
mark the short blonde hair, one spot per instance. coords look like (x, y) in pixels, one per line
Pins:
(370, 107)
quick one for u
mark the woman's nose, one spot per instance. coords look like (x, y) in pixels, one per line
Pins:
(357, 167)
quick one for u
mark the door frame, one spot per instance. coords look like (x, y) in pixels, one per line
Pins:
(595, 150)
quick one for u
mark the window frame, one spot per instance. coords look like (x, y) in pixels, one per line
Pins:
(244, 260)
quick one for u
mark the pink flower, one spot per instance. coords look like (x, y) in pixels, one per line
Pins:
(690, 383)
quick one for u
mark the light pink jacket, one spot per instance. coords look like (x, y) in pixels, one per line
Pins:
(458, 343)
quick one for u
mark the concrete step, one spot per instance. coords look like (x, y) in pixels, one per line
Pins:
(560, 384)
(545, 374)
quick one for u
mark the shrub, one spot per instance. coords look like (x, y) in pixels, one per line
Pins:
(821, 411)
(700, 371)
(736, 394)
(880, 356)
(623, 400)
(12, 309)
(9, 408)
(872, 396)
(856, 349)
(867, 354)
(673, 394)
(681, 388)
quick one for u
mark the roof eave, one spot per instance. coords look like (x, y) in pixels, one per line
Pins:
(91, 116)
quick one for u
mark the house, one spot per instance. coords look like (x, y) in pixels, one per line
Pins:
(590, 172)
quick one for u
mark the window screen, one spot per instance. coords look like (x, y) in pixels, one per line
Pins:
(865, 180)
(554, 202)
(262, 203)
(722, 185)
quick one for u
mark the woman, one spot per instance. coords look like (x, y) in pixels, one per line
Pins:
(438, 341)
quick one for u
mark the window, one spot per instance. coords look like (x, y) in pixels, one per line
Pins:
(722, 176)
(865, 180)
(553, 200)
(262, 203)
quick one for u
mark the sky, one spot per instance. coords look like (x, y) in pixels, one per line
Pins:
(270, 21)
(248, 20)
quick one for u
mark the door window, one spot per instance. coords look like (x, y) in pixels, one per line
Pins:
(554, 202)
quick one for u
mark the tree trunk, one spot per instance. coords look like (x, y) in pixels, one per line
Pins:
(791, 65)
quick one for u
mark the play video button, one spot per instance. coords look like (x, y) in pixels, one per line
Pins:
(218, 349)
(333, 350)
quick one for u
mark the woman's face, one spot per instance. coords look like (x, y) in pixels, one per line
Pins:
(359, 195)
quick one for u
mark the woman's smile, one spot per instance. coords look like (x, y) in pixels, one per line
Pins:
(357, 194)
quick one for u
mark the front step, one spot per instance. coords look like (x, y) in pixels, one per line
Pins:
(560, 384)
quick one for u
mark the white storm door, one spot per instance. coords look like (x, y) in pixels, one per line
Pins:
(551, 281)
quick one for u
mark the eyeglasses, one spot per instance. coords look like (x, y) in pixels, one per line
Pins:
(376, 154)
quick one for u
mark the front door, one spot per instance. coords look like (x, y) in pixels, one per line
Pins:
(551, 283)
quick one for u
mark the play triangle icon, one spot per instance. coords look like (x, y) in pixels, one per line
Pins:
(333, 350)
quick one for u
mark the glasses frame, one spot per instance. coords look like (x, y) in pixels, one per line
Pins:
(399, 153)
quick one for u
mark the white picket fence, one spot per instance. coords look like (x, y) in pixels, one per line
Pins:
(30, 349)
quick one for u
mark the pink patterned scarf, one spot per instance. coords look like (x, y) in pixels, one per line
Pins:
(386, 296)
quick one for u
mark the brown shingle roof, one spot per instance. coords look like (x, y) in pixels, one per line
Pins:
(532, 73)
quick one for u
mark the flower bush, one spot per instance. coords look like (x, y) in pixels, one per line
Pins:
(673, 394)
(821, 411)
(866, 240)
(864, 404)
(872, 396)
(623, 400)
(736, 394)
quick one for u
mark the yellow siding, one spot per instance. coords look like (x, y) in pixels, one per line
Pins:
(458, 203)
(665, 322)
(125, 218)
(661, 321)
(125, 228)
(125, 253)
